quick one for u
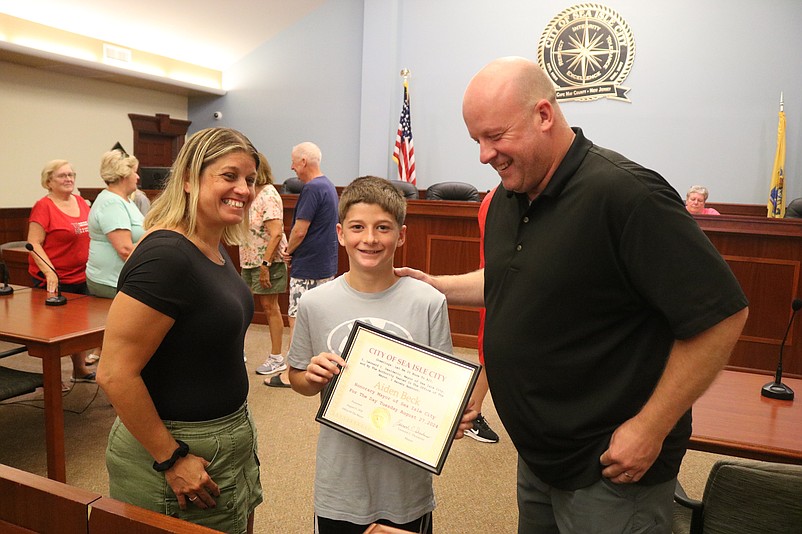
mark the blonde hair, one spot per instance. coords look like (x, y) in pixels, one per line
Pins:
(116, 165)
(50, 168)
(176, 208)
(264, 175)
(373, 190)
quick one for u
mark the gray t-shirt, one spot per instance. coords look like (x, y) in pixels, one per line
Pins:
(354, 481)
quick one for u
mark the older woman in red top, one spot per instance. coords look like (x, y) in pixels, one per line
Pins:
(59, 233)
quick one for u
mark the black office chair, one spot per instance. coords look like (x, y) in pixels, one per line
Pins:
(794, 209)
(13, 382)
(743, 497)
(407, 189)
(452, 191)
(292, 186)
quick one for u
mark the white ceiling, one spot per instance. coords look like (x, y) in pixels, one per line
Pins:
(202, 32)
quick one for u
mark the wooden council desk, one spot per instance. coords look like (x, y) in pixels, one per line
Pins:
(51, 332)
(443, 238)
(734, 419)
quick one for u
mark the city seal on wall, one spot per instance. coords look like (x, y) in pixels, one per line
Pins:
(587, 50)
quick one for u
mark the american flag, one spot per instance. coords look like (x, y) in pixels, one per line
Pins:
(404, 153)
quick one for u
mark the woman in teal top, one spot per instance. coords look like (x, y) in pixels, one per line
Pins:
(115, 223)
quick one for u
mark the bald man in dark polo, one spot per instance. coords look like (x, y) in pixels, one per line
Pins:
(609, 312)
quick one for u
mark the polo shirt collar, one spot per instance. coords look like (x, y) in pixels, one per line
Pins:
(568, 166)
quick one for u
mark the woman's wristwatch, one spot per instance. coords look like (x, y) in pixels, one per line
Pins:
(266, 263)
(180, 452)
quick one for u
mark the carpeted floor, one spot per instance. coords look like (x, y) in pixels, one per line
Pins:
(475, 492)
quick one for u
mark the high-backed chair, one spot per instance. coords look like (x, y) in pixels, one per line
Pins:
(794, 209)
(452, 191)
(407, 189)
(743, 497)
(292, 186)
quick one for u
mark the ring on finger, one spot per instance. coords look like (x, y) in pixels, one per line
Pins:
(627, 474)
(193, 498)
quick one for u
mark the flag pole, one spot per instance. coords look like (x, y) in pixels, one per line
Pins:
(404, 151)
(776, 203)
(405, 74)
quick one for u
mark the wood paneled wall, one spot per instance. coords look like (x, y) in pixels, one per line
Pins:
(443, 238)
(765, 255)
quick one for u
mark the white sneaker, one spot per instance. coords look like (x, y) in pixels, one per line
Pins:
(272, 366)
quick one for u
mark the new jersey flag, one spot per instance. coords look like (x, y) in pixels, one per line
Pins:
(776, 203)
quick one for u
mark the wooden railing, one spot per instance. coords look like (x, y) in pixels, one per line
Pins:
(42, 505)
(33, 504)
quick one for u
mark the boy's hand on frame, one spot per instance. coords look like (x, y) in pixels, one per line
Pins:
(323, 367)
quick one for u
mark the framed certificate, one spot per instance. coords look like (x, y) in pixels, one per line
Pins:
(400, 396)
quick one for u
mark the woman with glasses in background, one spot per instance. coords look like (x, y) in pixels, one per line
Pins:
(59, 232)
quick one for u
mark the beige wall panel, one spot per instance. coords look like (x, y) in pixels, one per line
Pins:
(47, 115)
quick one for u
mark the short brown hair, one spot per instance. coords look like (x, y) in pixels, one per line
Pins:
(374, 190)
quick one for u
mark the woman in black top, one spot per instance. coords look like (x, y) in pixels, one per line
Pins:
(183, 443)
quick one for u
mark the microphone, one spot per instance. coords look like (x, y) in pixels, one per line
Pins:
(6, 289)
(59, 299)
(776, 389)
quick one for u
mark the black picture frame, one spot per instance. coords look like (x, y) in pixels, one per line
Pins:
(374, 397)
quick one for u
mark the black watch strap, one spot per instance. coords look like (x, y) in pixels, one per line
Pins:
(180, 452)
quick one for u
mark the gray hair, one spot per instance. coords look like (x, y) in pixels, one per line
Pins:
(309, 151)
(702, 190)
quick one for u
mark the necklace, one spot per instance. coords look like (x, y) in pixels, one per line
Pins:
(205, 248)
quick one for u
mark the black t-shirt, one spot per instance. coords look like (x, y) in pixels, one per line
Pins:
(586, 291)
(197, 373)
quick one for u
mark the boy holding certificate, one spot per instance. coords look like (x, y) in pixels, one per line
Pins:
(357, 484)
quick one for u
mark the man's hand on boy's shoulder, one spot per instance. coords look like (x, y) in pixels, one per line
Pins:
(414, 273)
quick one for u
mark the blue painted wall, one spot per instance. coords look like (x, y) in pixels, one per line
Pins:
(705, 88)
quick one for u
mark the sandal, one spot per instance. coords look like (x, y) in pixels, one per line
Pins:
(275, 382)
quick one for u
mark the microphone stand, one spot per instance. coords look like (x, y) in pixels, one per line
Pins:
(6, 289)
(55, 300)
(776, 389)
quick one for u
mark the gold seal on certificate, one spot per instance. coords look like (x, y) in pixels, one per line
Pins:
(398, 395)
